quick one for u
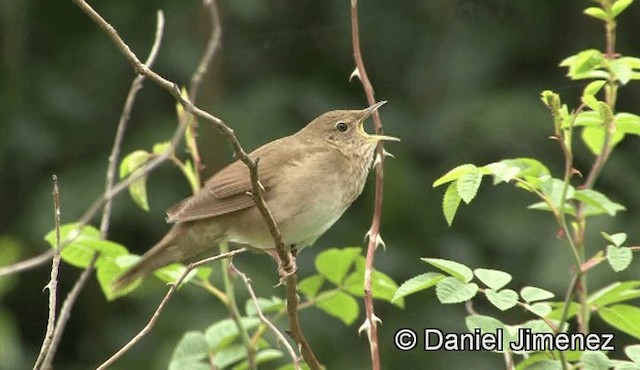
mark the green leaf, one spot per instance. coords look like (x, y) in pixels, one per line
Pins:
(594, 87)
(468, 185)
(311, 285)
(621, 71)
(274, 304)
(171, 273)
(494, 279)
(452, 268)
(628, 123)
(619, 257)
(228, 356)
(262, 357)
(623, 317)
(138, 192)
(503, 300)
(80, 251)
(532, 294)
(583, 64)
(452, 290)
(539, 361)
(569, 208)
(382, 286)
(590, 101)
(596, 13)
(224, 332)
(133, 161)
(334, 263)
(416, 284)
(595, 360)
(502, 172)
(161, 147)
(633, 352)
(593, 137)
(190, 352)
(540, 308)
(597, 203)
(556, 314)
(454, 174)
(107, 272)
(552, 189)
(615, 293)
(339, 305)
(450, 202)
(619, 6)
(488, 324)
(589, 118)
(191, 175)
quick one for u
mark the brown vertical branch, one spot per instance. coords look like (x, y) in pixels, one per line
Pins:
(53, 282)
(371, 322)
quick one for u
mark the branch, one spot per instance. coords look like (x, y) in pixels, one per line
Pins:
(251, 164)
(263, 318)
(371, 322)
(162, 305)
(53, 282)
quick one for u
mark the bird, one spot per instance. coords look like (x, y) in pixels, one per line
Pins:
(309, 179)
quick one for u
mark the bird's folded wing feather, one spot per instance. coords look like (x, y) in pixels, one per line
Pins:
(228, 190)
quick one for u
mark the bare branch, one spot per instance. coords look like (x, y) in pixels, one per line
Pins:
(161, 306)
(53, 282)
(263, 318)
(374, 230)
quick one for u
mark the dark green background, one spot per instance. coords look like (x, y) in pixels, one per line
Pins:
(462, 79)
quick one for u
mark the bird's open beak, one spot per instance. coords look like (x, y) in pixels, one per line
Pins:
(365, 114)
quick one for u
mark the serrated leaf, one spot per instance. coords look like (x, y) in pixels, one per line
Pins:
(503, 300)
(617, 239)
(488, 324)
(593, 137)
(171, 273)
(161, 147)
(595, 360)
(190, 351)
(228, 356)
(452, 268)
(623, 317)
(138, 192)
(597, 203)
(339, 305)
(553, 188)
(502, 172)
(569, 208)
(494, 279)
(621, 71)
(533, 294)
(596, 13)
(311, 285)
(468, 185)
(266, 305)
(633, 352)
(619, 6)
(615, 293)
(589, 118)
(107, 272)
(619, 257)
(224, 332)
(590, 101)
(334, 263)
(262, 357)
(454, 174)
(452, 290)
(584, 64)
(382, 286)
(416, 284)
(539, 308)
(450, 202)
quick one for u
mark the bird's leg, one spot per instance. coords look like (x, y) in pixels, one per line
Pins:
(285, 271)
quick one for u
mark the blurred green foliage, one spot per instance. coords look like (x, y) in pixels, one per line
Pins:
(462, 78)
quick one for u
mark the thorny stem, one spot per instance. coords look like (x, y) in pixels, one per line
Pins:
(371, 321)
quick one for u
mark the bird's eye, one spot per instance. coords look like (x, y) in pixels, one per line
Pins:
(341, 126)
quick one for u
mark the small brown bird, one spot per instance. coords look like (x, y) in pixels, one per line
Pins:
(309, 178)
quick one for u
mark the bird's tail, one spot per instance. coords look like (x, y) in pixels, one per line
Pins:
(170, 249)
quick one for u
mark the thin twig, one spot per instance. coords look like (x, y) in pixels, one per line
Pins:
(252, 165)
(371, 322)
(162, 305)
(65, 312)
(136, 85)
(53, 282)
(263, 318)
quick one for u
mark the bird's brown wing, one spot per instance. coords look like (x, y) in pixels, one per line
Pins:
(227, 190)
